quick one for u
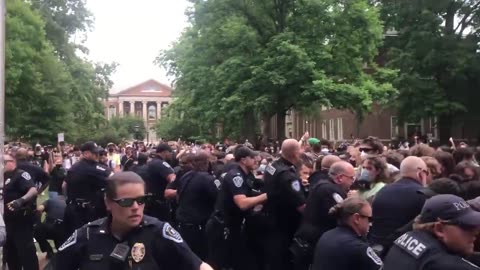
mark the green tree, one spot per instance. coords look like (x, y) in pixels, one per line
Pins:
(36, 82)
(245, 61)
(436, 53)
(128, 128)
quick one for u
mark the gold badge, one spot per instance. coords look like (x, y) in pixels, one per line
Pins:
(138, 252)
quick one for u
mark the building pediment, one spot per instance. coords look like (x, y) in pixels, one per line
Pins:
(150, 88)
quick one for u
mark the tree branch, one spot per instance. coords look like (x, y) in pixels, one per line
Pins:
(467, 16)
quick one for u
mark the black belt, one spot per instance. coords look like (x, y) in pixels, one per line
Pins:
(187, 224)
(82, 203)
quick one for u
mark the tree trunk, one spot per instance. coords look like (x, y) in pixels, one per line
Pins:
(249, 124)
(266, 127)
(281, 116)
(444, 128)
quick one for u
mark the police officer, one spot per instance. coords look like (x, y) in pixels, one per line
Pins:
(126, 239)
(345, 247)
(196, 193)
(19, 197)
(232, 205)
(285, 205)
(52, 226)
(84, 184)
(323, 196)
(39, 176)
(390, 213)
(160, 173)
(443, 234)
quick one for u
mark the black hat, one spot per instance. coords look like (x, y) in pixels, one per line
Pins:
(164, 147)
(91, 147)
(449, 208)
(243, 152)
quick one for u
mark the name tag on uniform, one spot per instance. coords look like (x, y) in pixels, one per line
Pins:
(411, 245)
(95, 257)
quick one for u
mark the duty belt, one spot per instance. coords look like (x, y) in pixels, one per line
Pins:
(186, 224)
(82, 203)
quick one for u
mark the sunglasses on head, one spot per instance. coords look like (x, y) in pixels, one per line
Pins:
(128, 202)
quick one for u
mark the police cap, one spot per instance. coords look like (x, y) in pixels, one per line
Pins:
(450, 208)
(243, 152)
(91, 147)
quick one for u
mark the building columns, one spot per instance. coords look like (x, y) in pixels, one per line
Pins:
(159, 110)
(144, 107)
(132, 108)
(120, 108)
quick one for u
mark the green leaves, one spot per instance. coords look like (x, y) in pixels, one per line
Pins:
(267, 57)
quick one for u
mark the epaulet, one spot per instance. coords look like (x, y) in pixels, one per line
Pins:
(97, 222)
(151, 221)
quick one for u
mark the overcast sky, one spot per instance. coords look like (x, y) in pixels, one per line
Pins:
(132, 33)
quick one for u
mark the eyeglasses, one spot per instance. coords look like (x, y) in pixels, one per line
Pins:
(128, 202)
(7, 160)
(349, 177)
(425, 171)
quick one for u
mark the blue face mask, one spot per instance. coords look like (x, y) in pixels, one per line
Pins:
(365, 176)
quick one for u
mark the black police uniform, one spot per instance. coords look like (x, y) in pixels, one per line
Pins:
(57, 176)
(153, 245)
(285, 195)
(19, 250)
(421, 250)
(316, 221)
(158, 170)
(317, 176)
(227, 241)
(86, 181)
(394, 206)
(52, 227)
(39, 176)
(343, 249)
(196, 194)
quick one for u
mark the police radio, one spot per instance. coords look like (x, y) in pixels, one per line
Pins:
(120, 252)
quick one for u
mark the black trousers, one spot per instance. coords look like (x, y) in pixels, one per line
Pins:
(49, 230)
(77, 216)
(158, 209)
(19, 250)
(196, 238)
(278, 254)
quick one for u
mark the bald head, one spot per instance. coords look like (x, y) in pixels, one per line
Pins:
(328, 161)
(228, 158)
(343, 174)
(411, 166)
(291, 150)
(22, 154)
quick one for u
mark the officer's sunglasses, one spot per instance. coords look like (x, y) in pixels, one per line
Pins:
(367, 217)
(128, 202)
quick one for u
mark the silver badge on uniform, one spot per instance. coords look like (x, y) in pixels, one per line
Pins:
(337, 198)
(372, 255)
(296, 185)
(238, 181)
(217, 183)
(166, 164)
(7, 182)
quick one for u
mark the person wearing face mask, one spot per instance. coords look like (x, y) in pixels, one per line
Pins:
(345, 247)
(316, 220)
(372, 177)
(397, 204)
(443, 235)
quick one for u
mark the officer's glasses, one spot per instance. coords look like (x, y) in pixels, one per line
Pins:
(128, 202)
(5, 161)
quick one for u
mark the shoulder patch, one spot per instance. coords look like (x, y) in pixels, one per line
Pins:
(100, 168)
(296, 185)
(166, 164)
(27, 176)
(337, 198)
(217, 183)
(171, 234)
(70, 241)
(372, 255)
(238, 181)
(411, 245)
(270, 169)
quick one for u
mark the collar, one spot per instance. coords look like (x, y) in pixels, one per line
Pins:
(105, 226)
(349, 230)
(409, 180)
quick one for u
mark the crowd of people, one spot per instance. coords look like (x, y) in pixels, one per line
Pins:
(295, 205)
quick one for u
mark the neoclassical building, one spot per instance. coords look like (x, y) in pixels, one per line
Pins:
(145, 100)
